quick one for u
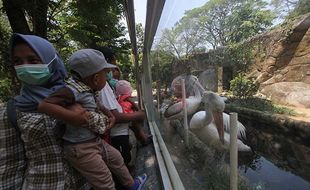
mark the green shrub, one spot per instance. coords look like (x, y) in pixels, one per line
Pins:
(263, 105)
(243, 88)
(6, 90)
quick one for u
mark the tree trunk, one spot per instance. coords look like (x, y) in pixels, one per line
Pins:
(15, 12)
(38, 11)
(227, 77)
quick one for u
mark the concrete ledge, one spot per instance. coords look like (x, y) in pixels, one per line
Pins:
(295, 129)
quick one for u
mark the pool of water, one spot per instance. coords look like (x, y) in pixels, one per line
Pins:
(266, 175)
(278, 162)
(196, 170)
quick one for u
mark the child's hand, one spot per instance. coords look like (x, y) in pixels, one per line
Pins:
(80, 115)
(173, 98)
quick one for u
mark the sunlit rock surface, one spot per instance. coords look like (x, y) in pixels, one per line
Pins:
(282, 66)
(289, 93)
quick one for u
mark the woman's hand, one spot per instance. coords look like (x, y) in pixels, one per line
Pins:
(80, 116)
(112, 121)
(140, 115)
(109, 114)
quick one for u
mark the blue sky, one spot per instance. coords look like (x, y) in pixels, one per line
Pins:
(173, 11)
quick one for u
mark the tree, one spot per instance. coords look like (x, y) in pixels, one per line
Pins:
(71, 25)
(229, 21)
(182, 40)
(6, 89)
(221, 24)
(190, 36)
(248, 19)
(27, 17)
(140, 37)
(57, 28)
(4, 42)
(283, 7)
(96, 23)
(302, 7)
(212, 18)
(162, 64)
(169, 43)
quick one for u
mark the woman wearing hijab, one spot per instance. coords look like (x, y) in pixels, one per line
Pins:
(30, 155)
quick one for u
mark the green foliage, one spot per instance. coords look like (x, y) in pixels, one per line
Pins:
(283, 7)
(96, 23)
(302, 7)
(5, 33)
(248, 19)
(260, 104)
(58, 29)
(182, 40)
(72, 25)
(170, 43)
(126, 66)
(89, 24)
(222, 22)
(162, 67)
(6, 90)
(242, 87)
(6, 87)
(240, 56)
(140, 37)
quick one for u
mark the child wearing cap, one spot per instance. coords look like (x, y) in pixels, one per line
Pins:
(83, 148)
(123, 91)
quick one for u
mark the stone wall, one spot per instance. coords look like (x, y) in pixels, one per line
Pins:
(283, 54)
(281, 63)
(204, 66)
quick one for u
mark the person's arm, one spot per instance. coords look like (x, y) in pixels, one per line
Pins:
(107, 98)
(128, 117)
(135, 107)
(109, 114)
(98, 122)
(74, 115)
(61, 105)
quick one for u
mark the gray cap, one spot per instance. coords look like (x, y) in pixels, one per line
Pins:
(87, 62)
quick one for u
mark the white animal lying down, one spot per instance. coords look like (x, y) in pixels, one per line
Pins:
(176, 110)
(208, 133)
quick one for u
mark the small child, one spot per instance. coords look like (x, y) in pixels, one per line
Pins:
(116, 73)
(119, 134)
(123, 91)
(83, 148)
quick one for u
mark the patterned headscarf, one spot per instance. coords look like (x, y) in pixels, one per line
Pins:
(31, 95)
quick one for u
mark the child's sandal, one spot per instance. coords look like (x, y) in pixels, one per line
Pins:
(141, 180)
